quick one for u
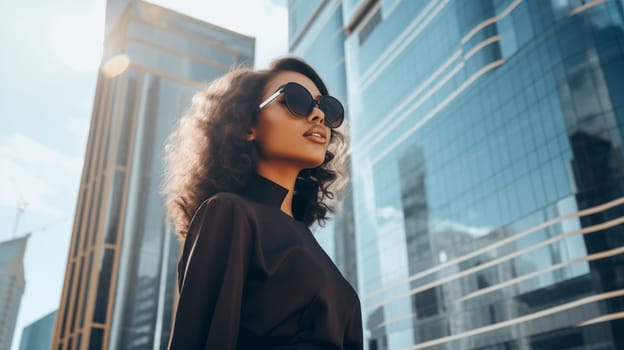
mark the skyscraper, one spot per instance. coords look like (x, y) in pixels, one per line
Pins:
(12, 285)
(488, 171)
(38, 335)
(120, 277)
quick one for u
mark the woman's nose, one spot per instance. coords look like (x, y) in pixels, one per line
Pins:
(317, 115)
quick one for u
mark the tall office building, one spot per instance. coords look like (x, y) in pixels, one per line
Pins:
(12, 285)
(38, 335)
(315, 33)
(120, 279)
(488, 171)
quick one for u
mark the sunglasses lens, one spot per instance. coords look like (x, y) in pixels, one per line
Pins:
(334, 112)
(298, 100)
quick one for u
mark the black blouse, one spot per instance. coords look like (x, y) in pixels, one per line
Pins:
(256, 278)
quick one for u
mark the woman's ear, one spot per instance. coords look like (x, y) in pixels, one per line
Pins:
(251, 135)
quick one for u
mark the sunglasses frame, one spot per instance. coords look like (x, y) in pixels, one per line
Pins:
(316, 102)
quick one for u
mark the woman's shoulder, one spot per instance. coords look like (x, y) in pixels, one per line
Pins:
(220, 210)
(225, 202)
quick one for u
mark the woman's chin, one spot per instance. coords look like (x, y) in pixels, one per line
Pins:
(313, 163)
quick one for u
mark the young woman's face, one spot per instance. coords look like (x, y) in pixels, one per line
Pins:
(281, 135)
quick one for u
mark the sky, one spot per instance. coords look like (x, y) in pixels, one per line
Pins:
(48, 68)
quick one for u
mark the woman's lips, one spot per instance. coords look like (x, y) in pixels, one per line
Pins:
(317, 139)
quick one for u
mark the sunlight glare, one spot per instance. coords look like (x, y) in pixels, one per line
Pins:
(116, 65)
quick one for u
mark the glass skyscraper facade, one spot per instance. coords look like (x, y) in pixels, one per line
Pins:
(487, 170)
(120, 281)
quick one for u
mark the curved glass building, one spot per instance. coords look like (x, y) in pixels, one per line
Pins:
(488, 170)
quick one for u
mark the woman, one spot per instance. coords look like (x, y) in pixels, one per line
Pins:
(248, 171)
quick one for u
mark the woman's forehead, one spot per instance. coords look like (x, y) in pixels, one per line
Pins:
(284, 77)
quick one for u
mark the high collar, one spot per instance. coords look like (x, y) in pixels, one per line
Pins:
(265, 191)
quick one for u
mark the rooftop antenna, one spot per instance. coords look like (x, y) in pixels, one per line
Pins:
(21, 207)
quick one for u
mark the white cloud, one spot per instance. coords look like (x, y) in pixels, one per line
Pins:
(40, 175)
(19, 185)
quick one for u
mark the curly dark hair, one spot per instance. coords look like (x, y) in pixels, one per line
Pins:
(209, 152)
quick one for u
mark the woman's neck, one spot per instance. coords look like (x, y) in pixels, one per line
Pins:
(284, 176)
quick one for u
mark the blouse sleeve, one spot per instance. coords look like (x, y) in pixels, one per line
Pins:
(354, 339)
(208, 311)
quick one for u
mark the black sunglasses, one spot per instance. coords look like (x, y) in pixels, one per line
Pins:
(299, 102)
